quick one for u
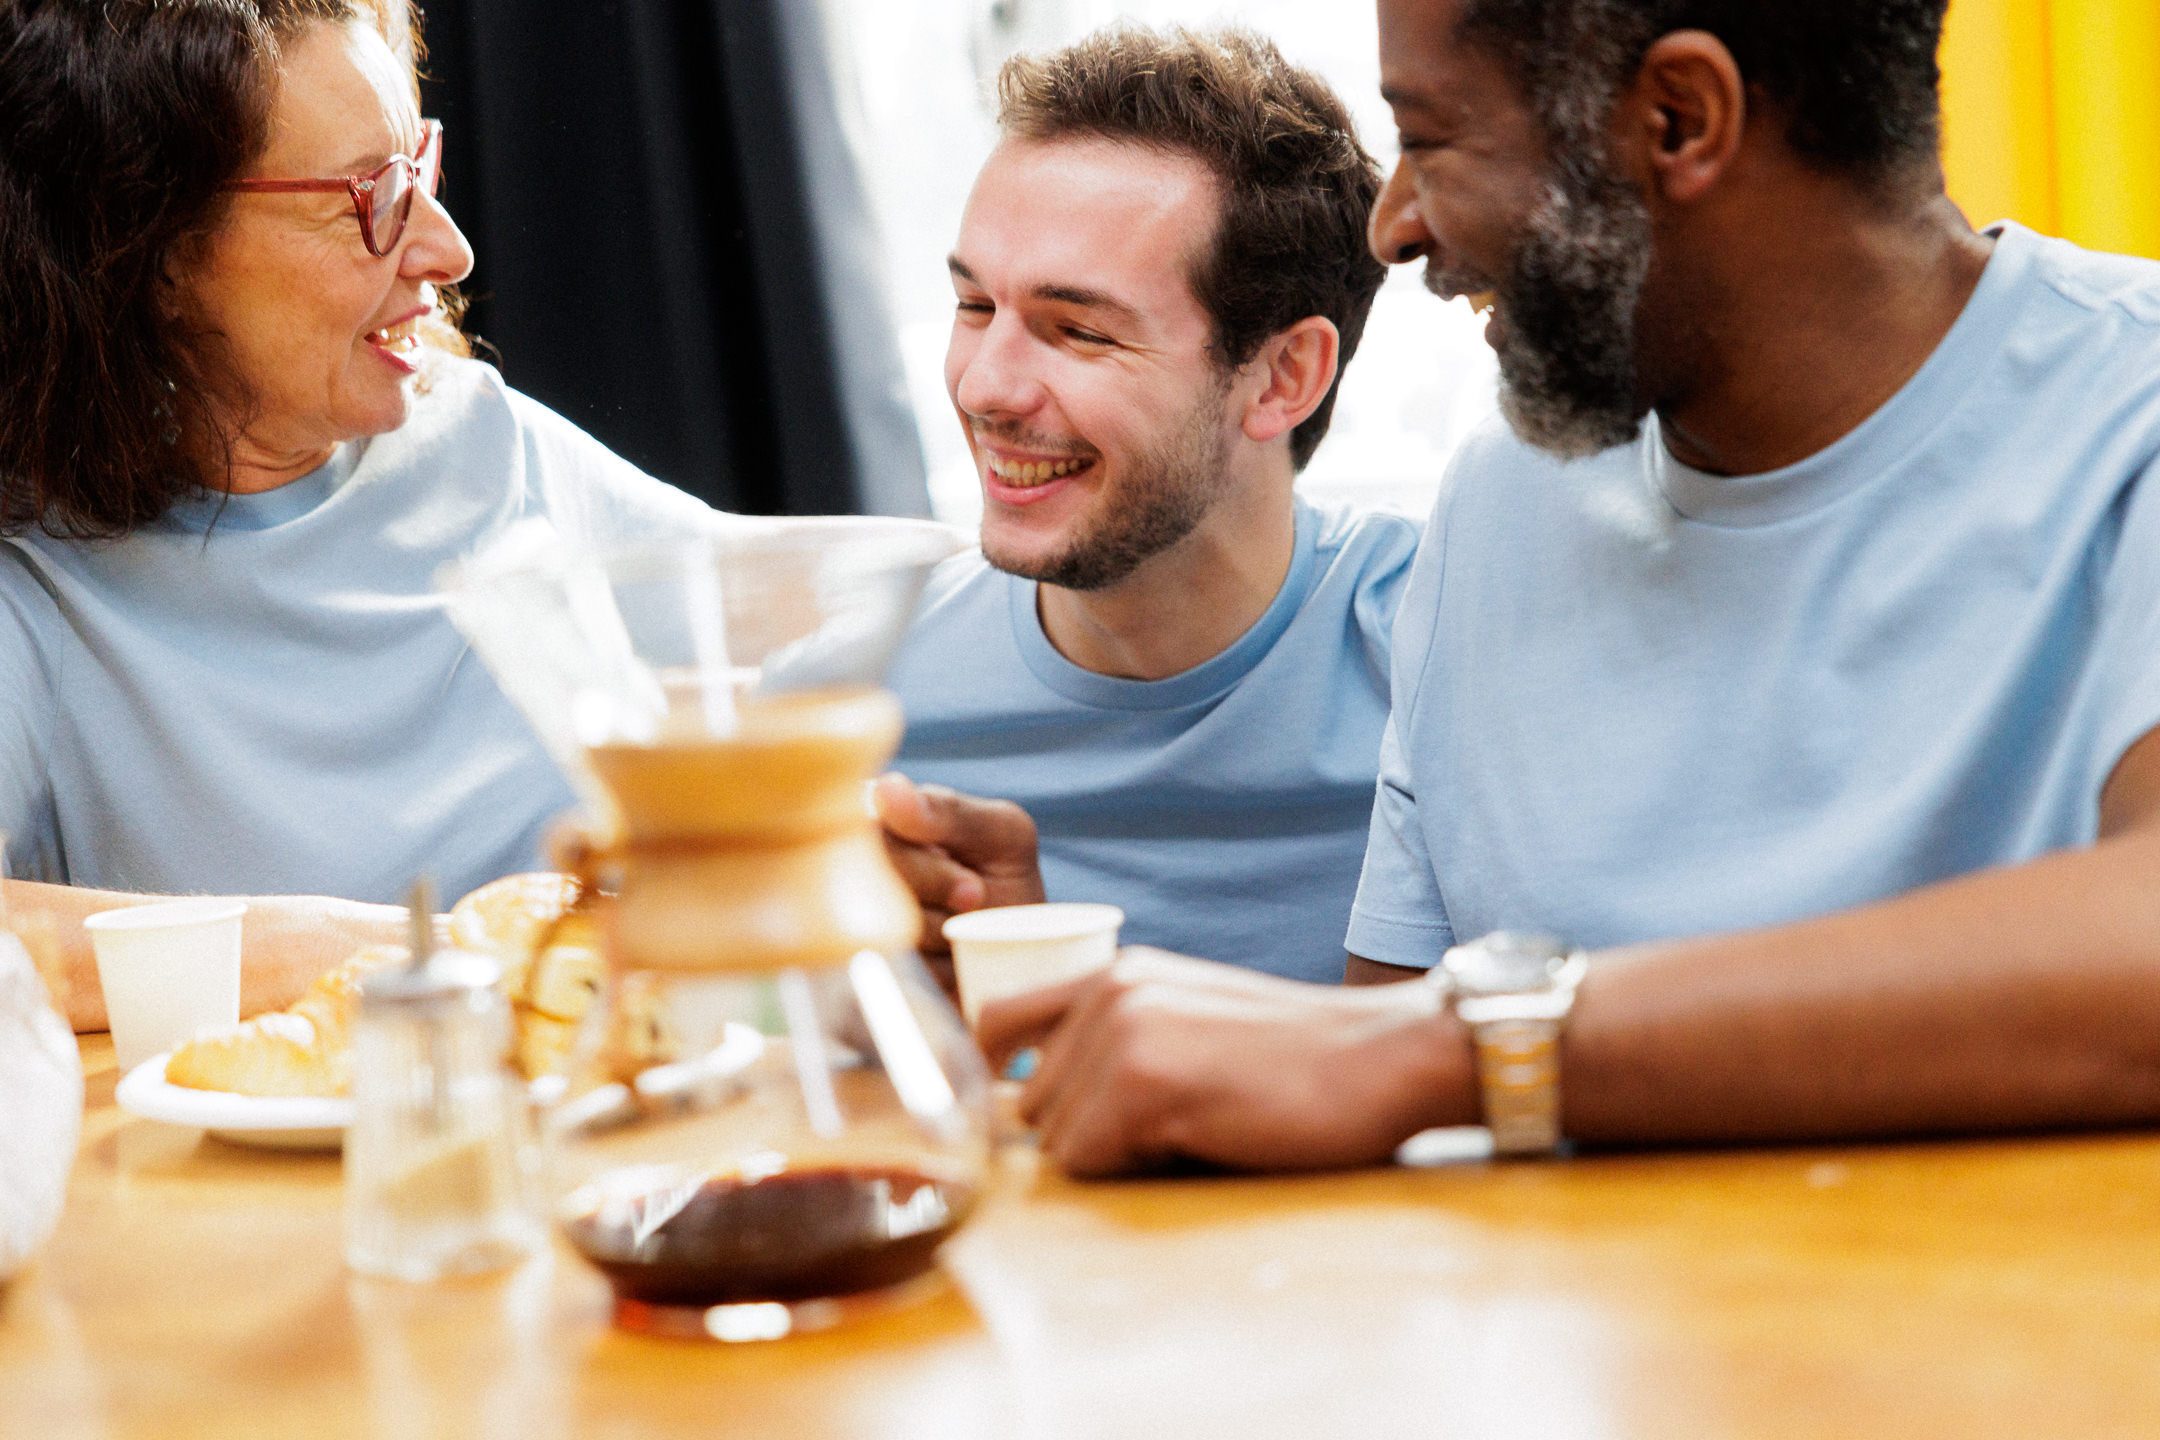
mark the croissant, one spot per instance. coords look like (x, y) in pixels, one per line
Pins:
(550, 951)
(551, 971)
(304, 1050)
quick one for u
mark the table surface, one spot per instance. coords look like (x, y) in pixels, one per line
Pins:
(1960, 1289)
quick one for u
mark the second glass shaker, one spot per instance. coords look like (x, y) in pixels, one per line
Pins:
(440, 1168)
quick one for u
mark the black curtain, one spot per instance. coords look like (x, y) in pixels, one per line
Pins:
(673, 246)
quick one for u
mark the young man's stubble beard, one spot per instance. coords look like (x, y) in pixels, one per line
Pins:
(1165, 492)
(1567, 331)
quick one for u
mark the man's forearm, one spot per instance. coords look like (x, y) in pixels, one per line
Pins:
(286, 941)
(2010, 999)
(1358, 970)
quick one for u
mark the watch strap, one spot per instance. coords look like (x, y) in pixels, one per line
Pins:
(1518, 1061)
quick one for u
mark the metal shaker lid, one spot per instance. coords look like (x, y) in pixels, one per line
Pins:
(441, 976)
(433, 974)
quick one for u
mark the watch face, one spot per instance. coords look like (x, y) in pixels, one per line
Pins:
(1506, 962)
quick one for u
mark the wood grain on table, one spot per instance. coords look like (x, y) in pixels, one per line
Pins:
(2007, 1288)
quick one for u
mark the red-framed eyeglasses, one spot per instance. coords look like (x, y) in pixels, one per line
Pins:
(382, 201)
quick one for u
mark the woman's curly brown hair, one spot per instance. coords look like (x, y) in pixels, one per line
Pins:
(120, 122)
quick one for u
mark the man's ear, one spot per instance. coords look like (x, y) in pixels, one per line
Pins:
(1297, 367)
(1685, 115)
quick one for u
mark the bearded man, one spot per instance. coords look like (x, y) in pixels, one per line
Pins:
(1176, 667)
(1793, 651)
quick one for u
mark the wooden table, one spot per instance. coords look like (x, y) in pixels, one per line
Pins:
(1966, 1290)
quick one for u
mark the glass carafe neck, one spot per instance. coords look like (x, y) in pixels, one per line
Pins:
(754, 850)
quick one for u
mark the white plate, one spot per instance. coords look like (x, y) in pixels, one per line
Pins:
(306, 1122)
(282, 1122)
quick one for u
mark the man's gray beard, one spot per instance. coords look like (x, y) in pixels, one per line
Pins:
(1567, 337)
(1166, 492)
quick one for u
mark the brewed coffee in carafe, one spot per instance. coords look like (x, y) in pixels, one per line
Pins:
(774, 1117)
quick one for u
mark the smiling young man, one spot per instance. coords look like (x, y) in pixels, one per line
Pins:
(1794, 647)
(1161, 654)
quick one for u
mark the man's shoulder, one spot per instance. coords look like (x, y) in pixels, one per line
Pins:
(450, 383)
(958, 662)
(960, 582)
(1362, 559)
(2100, 327)
(1494, 447)
(1372, 541)
(2102, 284)
(965, 600)
(2087, 345)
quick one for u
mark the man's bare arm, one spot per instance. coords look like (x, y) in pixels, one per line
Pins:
(286, 941)
(2020, 998)
(2024, 997)
(1358, 970)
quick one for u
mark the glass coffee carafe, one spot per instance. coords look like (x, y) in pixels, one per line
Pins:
(773, 1117)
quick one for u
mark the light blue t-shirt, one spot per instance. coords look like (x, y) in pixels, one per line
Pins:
(1223, 809)
(261, 694)
(1638, 701)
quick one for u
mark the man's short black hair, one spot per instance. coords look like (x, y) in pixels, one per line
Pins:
(1856, 81)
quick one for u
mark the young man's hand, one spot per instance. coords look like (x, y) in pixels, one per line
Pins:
(957, 853)
(1162, 1057)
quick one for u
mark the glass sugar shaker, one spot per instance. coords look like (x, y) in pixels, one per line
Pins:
(441, 1172)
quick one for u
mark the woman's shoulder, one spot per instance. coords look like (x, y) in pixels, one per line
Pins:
(466, 403)
(29, 603)
(32, 637)
(470, 418)
(458, 399)
(460, 408)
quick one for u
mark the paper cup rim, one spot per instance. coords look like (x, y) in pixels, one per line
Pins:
(167, 915)
(1033, 924)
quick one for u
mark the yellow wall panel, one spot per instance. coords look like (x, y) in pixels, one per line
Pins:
(2107, 121)
(1999, 111)
(2051, 116)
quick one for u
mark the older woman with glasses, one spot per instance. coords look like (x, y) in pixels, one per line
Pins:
(239, 433)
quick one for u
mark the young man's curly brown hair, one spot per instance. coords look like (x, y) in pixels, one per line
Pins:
(1297, 186)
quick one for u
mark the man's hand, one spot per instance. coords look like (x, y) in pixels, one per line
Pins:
(957, 853)
(1162, 1057)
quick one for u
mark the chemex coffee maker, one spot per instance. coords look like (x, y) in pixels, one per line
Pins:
(773, 1117)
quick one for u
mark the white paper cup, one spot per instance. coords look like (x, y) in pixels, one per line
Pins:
(169, 971)
(1018, 948)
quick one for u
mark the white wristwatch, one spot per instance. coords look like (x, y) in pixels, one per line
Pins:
(1514, 991)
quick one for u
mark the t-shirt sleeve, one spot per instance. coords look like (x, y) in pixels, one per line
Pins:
(27, 707)
(2127, 656)
(1399, 917)
(1385, 579)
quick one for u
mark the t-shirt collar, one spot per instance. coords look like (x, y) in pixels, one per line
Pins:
(1879, 443)
(268, 509)
(1204, 681)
